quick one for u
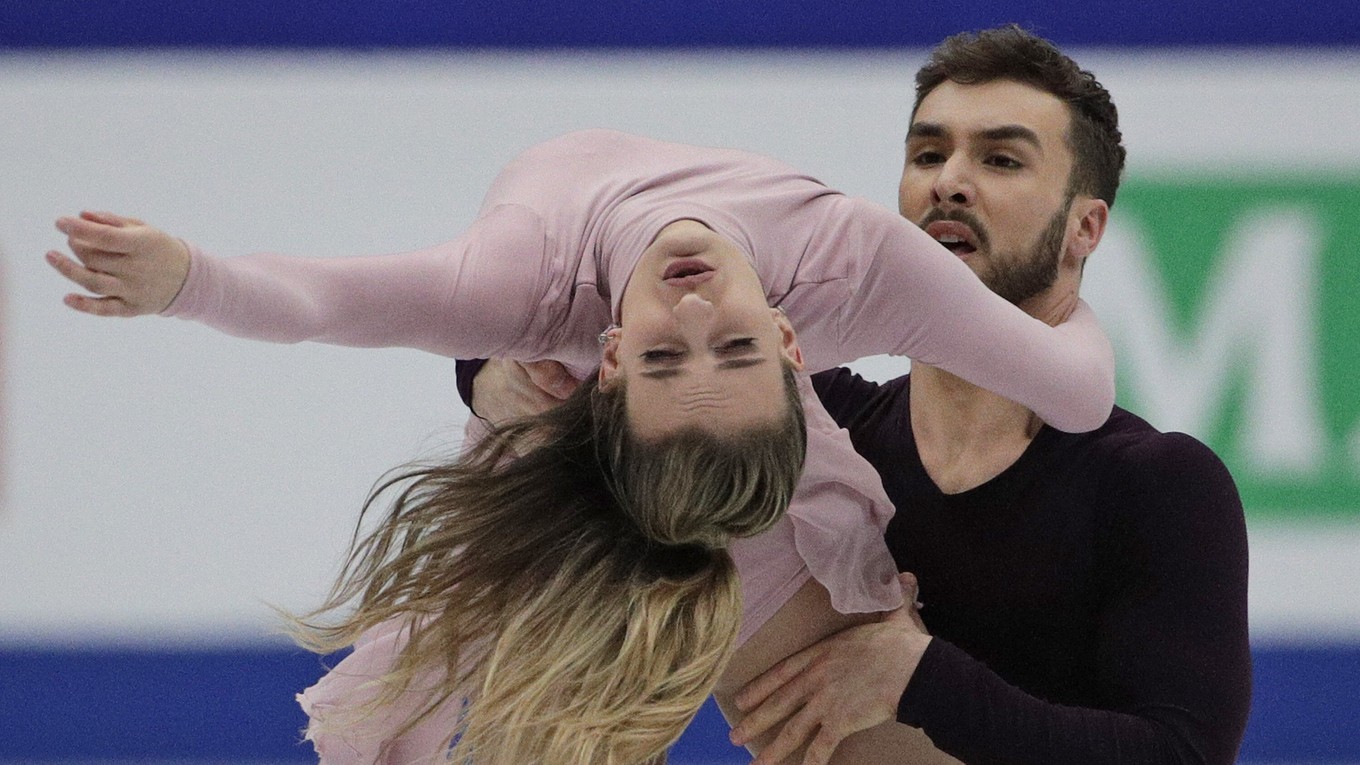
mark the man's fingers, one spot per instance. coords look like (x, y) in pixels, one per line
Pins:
(551, 377)
(793, 735)
(822, 747)
(909, 611)
(755, 692)
(779, 705)
(911, 589)
(533, 401)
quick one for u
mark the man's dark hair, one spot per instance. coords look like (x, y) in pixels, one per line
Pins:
(1012, 53)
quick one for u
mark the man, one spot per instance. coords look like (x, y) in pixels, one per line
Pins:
(1086, 593)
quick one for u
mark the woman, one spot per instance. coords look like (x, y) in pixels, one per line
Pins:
(688, 438)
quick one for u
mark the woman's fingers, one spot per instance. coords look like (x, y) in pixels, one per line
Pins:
(99, 260)
(108, 218)
(102, 306)
(106, 287)
(101, 284)
(97, 235)
(140, 266)
(94, 281)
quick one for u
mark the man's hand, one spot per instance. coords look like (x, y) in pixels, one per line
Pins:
(505, 388)
(131, 268)
(847, 683)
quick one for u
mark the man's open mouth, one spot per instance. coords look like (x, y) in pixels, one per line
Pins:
(956, 237)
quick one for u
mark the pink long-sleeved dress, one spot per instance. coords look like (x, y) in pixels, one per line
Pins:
(542, 271)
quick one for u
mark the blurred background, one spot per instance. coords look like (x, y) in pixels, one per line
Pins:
(162, 486)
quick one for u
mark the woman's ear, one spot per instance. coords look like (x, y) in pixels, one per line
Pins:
(609, 356)
(788, 339)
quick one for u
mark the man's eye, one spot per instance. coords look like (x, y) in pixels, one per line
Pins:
(1003, 161)
(927, 158)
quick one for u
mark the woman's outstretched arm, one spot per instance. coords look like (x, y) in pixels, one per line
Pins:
(472, 296)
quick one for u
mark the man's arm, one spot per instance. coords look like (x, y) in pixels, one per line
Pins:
(843, 394)
(1172, 641)
(800, 623)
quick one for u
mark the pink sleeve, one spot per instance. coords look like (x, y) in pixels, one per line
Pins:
(914, 298)
(343, 734)
(473, 297)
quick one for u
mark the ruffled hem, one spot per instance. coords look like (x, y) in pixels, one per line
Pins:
(833, 532)
(335, 704)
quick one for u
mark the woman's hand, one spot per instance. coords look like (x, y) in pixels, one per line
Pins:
(132, 268)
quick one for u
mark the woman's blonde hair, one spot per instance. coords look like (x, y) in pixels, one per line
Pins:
(565, 582)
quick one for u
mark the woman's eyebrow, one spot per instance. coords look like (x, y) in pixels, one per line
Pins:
(741, 363)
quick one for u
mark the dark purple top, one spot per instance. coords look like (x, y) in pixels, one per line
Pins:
(1089, 604)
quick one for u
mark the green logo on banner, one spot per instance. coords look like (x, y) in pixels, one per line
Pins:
(1234, 306)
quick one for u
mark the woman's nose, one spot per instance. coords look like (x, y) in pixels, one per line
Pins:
(693, 310)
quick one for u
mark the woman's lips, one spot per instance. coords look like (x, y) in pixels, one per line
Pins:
(687, 272)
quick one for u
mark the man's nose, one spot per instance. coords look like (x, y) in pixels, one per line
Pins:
(953, 184)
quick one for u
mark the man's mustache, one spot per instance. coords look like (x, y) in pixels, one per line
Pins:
(959, 216)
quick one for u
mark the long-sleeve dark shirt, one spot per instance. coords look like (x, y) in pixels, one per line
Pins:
(1088, 604)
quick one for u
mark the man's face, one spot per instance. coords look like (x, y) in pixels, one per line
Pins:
(986, 175)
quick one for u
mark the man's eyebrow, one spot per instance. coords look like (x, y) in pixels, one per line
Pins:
(1001, 133)
(1012, 133)
(926, 130)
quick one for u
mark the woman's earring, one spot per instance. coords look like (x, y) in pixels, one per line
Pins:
(606, 334)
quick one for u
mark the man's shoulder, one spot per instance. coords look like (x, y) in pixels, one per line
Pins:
(855, 401)
(1140, 466)
(1130, 439)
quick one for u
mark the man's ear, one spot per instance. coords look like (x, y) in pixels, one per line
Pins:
(788, 339)
(609, 357)
(1092, 216)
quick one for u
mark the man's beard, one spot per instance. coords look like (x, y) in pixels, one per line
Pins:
(1019, 277)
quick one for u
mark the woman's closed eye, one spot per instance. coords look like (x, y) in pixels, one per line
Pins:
(736, 346)
(661, 354)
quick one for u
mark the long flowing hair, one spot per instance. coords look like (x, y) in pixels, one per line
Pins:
(563, 582)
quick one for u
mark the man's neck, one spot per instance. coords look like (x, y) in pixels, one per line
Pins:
(966, 435)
